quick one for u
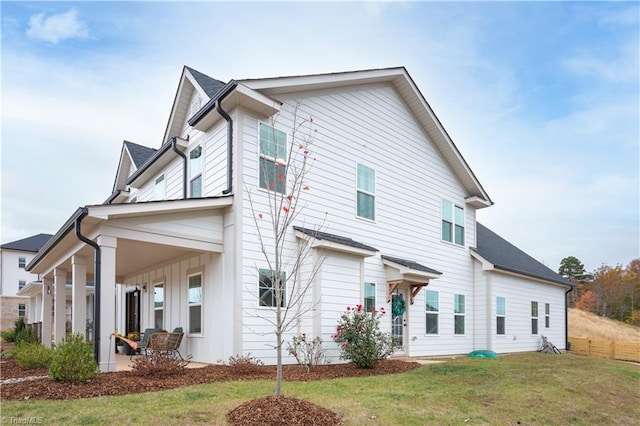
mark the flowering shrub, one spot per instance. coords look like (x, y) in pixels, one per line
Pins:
(308, 352)
(157, 364)
(361, 341)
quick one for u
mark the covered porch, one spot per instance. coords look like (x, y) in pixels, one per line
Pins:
(109, 244)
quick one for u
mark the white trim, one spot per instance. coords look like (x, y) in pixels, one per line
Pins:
(333, 246)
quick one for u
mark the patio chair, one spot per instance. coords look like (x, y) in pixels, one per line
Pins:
(167, 343)
(143, 344)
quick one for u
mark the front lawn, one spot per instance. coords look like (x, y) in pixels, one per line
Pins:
(527, 388)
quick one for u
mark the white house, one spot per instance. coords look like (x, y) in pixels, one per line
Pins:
(14, 257)
(391, 209)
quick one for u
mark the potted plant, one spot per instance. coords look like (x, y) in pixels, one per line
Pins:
(135, 336)
(119, 345)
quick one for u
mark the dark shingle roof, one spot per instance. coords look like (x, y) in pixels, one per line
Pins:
(211, 86)
(334, 238)
(33, 243)
(139, 154)
(411, 264)
(504, 255)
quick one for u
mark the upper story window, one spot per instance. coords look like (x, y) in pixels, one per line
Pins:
(158, 189)
(452, 223)
(432, 308)
(21, 284)
(195, 171)
(22, 262)
(273, 159)
(366, 192)
(369, 297)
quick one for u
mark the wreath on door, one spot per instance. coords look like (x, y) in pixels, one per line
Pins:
(398, 306)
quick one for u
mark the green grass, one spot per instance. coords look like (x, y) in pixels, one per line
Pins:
(529, 388)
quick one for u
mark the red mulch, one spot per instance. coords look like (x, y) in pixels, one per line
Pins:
(269, 411)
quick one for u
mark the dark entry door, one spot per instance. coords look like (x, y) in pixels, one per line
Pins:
(132, 311)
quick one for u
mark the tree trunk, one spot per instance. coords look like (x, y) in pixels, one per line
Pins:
(279, 363)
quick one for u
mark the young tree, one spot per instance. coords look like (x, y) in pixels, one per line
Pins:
(285, 163)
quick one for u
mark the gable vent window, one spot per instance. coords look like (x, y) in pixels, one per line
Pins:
(273, 159)
(452, 223)
(366, 192)
(195, 172)
(158, 189)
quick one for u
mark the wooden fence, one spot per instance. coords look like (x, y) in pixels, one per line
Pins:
(606, 349)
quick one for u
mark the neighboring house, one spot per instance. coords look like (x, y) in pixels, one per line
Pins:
(178, 246)
(14, 257)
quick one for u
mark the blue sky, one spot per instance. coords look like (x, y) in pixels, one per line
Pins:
(541, 98)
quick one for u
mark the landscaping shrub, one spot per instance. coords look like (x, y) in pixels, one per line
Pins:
(244, 364)
(361, 341)
(19, 333)
(32, 355)
(72, 360)
(307, 352)
(8, 335)
(157, 364)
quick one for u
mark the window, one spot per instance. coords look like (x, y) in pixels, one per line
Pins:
(195, 303)
(133, 200)
(366, 190)
(267, 288)
(158, 305)
(158, 190)
(22, 309)
(547, 315)
(500, 315)
(22, 262)
(369, 297)
(432, 312)
(21, 284)
(458, 313)
(534, 317)
(452, 223)
(273, 159)
(195, 172)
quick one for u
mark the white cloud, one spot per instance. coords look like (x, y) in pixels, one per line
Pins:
(58, 27)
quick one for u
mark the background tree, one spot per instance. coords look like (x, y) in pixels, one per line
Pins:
(572, 269)
(291, 272)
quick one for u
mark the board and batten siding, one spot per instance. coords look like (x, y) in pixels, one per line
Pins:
(369, 125)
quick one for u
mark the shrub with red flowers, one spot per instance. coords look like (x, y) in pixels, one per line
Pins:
(361, 341)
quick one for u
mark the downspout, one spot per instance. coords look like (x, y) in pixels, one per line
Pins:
(174, 146)
(567, 344)
(226, 116)
(96, 279)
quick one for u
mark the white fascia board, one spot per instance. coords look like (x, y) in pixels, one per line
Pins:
(477, 202)
(486, 265)
(333, 246)
(113, 211)
(31, 289)
(409, 274)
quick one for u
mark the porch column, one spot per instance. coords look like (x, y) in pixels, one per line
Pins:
(106, 356)
(45, 314)
(79, 294)
(59, 311)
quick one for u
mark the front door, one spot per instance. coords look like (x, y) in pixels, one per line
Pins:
(399, 320)
(132, 312)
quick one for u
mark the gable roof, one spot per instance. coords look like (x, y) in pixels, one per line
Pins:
(33, 243)
(211, 86)
(139, 153)
(505, 256)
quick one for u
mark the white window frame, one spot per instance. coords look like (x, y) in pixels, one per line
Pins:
(196, 170)
(277, 162)
(534, 318)
(155, 308)
(197, 304)
(457, 313)
(21, 284)
(360, 189)
(431, 312)
(22, 310)
(22, 262)
(501, 314)
(367, 295)
(547, 315)
(159, 188)
(454, 222)
(271, 289)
